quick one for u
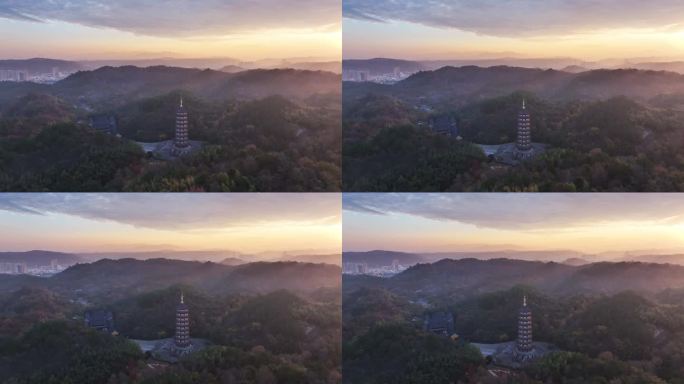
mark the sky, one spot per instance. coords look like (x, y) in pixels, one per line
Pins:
(138, 29)
(246, 223)
(459, 29)
(588, 223)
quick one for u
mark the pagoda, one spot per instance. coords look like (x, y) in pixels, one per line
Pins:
(523, 142)
(181, 145)
(182, 336)
(524, 342)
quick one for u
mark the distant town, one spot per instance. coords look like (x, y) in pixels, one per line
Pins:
(362, 75)
(380, 271)
(9, 268)
(21, 75)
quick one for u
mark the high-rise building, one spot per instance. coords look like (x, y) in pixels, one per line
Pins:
(524, 342)
(181, 143)
(523, 142)
(182, 336)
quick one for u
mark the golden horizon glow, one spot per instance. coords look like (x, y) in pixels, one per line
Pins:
(252, 238)
(60, 40)
(454, 237)
(590, 224)
(364, 39)
(245, 223)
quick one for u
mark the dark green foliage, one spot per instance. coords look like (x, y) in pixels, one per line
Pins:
(387, 308)
(624, 324)
(20, 309)
(576, 368)
(28, 115)
(275, 337)
(263, 130)
(622, 336)
(409, 159)
(66, 157)
(232, 365)
(262, 145)
(64, 352)
(613, 144)
(401, 354)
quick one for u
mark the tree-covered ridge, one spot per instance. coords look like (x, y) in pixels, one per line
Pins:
(275, 336)
(458, 86)
(262, 145)
(110, 87)
(114, 279)
(633, 333)
(263, 130)
(614, 144)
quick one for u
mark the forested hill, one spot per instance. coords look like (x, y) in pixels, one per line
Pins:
(262, 130)
(471, 83)
(127, 83)
(287, 332)
(471, 275)
(124, 276)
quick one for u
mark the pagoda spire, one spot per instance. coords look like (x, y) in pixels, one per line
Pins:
(182, 336)
(181, 137)
(523, 107)
(181, 102)
(524, 343)
(523, 142)
(524, 300)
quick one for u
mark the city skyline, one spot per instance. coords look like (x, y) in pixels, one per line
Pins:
(588, 223)
(99, 30)
(581, 29)
(248, 223)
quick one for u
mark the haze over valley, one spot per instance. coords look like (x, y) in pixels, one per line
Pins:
(524, 97)
(524, 288)
(94, 97)
(136, 288)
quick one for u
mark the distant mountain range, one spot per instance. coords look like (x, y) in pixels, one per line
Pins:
(330, 258)
(40, 65)
(42, 258)
(460, 85)
(123, 276)
(387, 65)
(676, 258)
(215, 256)
(45, 65)
(39, 258)
(379, 258)
(472, 275)
(115, 86)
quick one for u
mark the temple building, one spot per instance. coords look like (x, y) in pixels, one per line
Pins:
(523, 142)
(444, 125)
(182, 336)
(439, 323)
(100, 319)
(181, 145)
